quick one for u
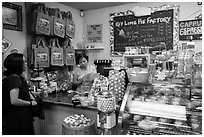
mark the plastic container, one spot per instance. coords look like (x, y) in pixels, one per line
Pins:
(140, 77)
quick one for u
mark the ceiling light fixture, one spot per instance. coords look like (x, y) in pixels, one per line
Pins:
(82, 13)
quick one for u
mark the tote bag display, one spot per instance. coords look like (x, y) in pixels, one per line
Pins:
(58, 24)
(70, 26)
(57, 58)
(69, 53)
(41, 20)
(41, 54)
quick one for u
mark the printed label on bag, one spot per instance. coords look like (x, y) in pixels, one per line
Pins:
(70, 27)
(42, 57)
(57, 56)
(43, 22)
(70, 55)
(59, 25)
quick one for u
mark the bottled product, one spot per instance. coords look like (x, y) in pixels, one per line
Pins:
(188, 59)
(181, 63)
(197, 78)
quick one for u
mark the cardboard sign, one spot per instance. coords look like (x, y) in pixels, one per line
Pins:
(94, 33)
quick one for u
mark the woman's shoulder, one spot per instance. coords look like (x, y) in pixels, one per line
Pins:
(13, 76)
(91, 66)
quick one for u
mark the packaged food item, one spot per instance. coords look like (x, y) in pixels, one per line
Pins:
(137, 117)
(77, 121)
(117, 83)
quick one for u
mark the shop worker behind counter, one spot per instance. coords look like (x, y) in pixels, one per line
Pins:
(82, 70)
(16, 99)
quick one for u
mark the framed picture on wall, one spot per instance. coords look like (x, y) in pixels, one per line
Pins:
(12, 16)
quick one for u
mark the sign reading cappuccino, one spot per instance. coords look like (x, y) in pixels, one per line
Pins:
(190, 29)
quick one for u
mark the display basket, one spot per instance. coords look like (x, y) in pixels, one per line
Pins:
(83, 130)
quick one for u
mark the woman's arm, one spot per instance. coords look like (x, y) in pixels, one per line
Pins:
(77, 81)
(19, 102)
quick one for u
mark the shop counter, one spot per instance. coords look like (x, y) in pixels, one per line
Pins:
(57, 107)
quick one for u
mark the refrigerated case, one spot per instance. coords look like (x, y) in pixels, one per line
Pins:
(159, 109)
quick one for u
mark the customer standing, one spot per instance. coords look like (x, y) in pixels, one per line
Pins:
(16, 99)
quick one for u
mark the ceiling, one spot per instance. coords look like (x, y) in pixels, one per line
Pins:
(92, 5)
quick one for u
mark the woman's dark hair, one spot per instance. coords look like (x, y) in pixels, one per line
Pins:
(14, 64)
(80, 56)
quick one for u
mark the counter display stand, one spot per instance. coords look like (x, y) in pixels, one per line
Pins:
(142, 113)
(37, 80)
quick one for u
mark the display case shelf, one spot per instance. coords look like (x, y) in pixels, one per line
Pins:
(154, 112)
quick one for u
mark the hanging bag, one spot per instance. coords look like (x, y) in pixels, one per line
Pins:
(41, 54)
(56, 53)
(41, 20)
(70, 26)
(69, 53)
(58, 24)
(31, 51)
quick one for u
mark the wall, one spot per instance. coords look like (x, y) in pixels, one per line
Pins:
(17, 38)
(101, 16)
(21, 39)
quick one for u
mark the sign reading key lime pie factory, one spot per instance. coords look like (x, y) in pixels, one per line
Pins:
(190, 29)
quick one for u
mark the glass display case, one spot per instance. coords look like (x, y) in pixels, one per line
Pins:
(160, 109)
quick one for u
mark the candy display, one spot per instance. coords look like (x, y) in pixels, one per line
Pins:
(52, 75)
(106, 102)
(100, 83)
(65, 85)
(117, 83)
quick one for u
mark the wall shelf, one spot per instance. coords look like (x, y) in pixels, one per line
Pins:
(96, 48)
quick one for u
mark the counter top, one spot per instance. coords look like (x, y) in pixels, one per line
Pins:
(64, 98)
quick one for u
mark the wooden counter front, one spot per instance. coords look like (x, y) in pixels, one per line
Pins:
(56, 108)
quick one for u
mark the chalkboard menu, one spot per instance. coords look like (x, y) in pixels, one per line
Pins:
(147, 30)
